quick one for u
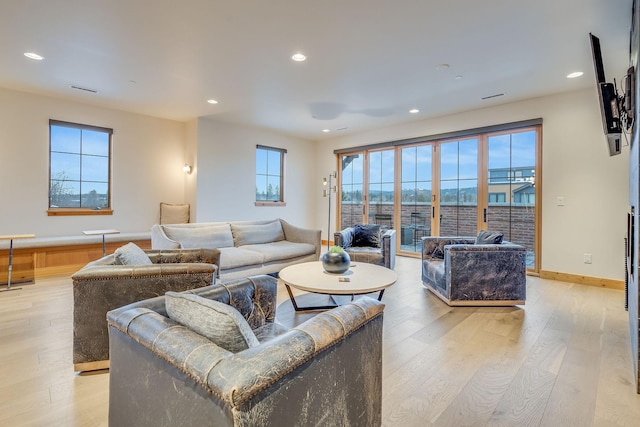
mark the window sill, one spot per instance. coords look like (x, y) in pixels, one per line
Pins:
(78, 211)
(268, 203)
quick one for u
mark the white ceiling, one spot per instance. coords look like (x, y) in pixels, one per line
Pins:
(369, 61)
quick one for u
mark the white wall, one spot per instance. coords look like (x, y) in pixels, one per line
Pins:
(576, 166)
(226, 174)
(148, 155)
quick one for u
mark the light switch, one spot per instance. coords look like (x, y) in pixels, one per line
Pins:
(560, 201)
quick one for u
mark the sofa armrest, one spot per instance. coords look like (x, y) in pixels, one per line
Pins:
(160, 240)
(388, 245)
(343, 238)
(430, 243)
(296, 234)
(261, 367)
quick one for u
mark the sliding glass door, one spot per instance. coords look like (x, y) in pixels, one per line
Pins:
(511, 188)
(416, 194)
(351, 190)
(448, 187)
(380, 200)
(458, 203)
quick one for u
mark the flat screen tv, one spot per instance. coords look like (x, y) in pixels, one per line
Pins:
(609, 104)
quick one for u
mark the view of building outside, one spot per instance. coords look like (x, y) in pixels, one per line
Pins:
(510, 189)
(79, 165)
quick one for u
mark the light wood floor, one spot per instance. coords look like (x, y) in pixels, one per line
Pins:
(563, 359)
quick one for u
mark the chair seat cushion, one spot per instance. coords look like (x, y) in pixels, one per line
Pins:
(282, 250)
(368, 255)
(217, 321)
(239, 257)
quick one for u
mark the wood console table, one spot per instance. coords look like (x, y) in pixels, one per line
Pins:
(11, 238)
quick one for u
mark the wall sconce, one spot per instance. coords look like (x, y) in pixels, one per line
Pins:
(327, 193)
(186, 169)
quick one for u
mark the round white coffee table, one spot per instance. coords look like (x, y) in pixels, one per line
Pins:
(361, 278)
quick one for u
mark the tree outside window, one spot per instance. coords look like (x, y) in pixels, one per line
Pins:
(269, 174)
(80, 166)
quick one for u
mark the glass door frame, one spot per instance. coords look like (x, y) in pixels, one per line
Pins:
(482, 195)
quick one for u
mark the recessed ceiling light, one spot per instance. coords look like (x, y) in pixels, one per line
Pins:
(458, 77)
(32, 55)
(326, 130)
(212, 101)
(298, 57)
(414, 111)
(574, 74)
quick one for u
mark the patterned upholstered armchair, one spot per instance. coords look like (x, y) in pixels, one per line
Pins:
(461, 272)
(325, 371)
(380, 250)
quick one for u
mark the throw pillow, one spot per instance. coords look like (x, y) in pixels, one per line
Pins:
(217, 321)
(366, 235)
(489, 238)
(437, 253)
(174, 214)
(131, 254)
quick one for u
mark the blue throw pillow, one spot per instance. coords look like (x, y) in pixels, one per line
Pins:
(366, 235)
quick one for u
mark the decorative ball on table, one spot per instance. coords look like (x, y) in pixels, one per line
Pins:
(336, 260)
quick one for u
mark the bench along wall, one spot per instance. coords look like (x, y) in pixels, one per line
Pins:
(38, 258)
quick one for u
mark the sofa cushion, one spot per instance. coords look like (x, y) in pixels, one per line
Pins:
(131, 254)
(365, 254)
(366, 235)
(283, 249)
(174, 214)
(217, 321)
(253, 234)
(239, 257)
(207, 237)
(489, 238)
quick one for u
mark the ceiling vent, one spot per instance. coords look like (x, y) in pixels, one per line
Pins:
(85, 89)
(492, 96)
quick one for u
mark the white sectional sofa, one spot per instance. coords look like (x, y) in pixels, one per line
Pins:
(247, 248)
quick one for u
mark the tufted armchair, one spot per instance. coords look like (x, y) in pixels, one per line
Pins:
(461, 272)
(103, 285)
(326, 371)
(383, 254)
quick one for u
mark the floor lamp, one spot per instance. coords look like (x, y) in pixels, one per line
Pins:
(327, 193)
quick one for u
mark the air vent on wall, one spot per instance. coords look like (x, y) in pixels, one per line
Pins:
(492, 96)
(83, 89)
